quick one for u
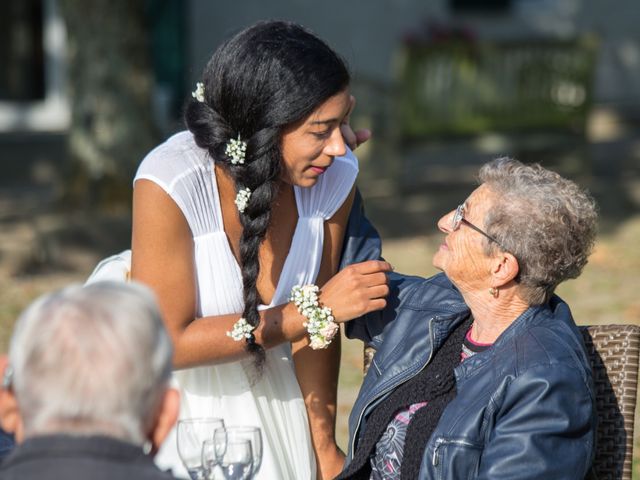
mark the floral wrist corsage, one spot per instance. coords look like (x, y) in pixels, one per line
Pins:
(241, 330)
(320, 323)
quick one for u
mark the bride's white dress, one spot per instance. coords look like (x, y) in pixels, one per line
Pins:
(274, 403)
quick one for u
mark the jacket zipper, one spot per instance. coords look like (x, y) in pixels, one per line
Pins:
(355, 432)
(442, 441)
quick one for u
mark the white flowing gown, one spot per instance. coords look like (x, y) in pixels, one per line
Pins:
(274, 403)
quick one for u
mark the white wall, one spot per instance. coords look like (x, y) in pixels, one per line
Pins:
(367, 33)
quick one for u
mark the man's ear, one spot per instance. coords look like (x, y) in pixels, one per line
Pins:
(504, 268)
(10, 419)
(167, 418)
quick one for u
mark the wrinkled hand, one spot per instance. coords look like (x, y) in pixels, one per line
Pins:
(351, 138)
(357, 289)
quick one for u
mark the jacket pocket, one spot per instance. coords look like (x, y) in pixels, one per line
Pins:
(455, 459)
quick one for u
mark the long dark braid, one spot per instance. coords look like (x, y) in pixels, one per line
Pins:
(262, 177)
(264, 79)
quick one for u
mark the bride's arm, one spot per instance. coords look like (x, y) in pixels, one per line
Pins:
(317, 370)
(163, 258)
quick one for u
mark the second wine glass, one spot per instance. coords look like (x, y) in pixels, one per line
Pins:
(237, 433)
(192, 433)
(237, 460)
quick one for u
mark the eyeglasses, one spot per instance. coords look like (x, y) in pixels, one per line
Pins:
(458, 218)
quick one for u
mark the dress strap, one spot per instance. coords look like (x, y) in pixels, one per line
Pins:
(186, 173)
(315, 205)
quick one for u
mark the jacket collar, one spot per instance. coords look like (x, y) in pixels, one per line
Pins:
(62, 445)
(429, 333)
(534, 314)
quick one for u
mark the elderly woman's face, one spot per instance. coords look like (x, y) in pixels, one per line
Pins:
(461, 255)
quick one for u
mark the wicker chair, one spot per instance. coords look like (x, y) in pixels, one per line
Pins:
(614, 352)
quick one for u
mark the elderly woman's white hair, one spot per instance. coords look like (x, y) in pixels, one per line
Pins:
(91, 360)
(546, 221)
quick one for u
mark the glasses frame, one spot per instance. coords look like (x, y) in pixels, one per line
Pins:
(458, 219)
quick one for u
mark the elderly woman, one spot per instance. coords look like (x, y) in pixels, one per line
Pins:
(480, 371)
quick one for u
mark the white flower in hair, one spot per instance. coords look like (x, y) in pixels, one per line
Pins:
(236, 150)
(242, 199)
(198, 93)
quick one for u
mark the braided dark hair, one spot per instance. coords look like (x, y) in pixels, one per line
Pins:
(262, 80)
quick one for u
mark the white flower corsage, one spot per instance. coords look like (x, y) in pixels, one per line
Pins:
(198, 93)
(320, 322)
(241, 330)
(236, 150)
(242, 198)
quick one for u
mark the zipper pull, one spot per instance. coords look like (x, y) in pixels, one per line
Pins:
(436, 458)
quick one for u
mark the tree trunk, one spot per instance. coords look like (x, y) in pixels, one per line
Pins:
(110, 82)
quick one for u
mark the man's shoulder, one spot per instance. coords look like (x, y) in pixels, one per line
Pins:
(69, 457)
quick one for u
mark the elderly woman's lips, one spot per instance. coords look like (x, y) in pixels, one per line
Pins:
(444, 246)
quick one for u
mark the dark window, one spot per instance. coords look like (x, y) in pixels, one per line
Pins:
(168, 27)
(21, 51)
(480, 6)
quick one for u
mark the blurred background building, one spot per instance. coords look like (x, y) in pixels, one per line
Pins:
(36, 78)
(87, 87)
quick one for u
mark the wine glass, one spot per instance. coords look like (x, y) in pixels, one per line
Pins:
(212, 454)
(238, 433)
(237, 459)
(192, 432)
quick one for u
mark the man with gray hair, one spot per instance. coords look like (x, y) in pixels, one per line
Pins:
(86, 389)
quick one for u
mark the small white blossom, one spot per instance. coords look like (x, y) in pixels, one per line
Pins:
(198, 93)
(236, 150)
(320, 322)
(317, 343)
(242, 199)
(329, 329)
(241, 329)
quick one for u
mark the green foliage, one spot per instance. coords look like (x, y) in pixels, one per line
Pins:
(462, 87)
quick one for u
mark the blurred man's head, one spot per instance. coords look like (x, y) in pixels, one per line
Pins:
(92, 360)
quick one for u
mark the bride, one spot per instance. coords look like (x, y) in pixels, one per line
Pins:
(229, 216)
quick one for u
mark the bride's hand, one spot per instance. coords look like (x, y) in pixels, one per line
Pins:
(357, 289)
(351, 138)
(330, 463)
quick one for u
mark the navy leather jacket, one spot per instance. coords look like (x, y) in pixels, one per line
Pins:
(524, 408)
